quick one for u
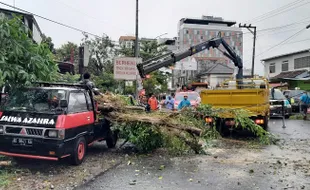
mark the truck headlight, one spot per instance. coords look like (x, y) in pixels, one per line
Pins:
(52, 134)
(60, 134)
(1, 129)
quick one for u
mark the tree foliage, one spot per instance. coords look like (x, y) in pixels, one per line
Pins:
(105, 81)
(158, 81)
(102, 53)
(65, 51)
(49, 42)
(21, 60)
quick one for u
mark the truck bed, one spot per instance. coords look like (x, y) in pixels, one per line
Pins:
(254, 100)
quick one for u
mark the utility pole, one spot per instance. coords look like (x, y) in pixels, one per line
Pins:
(249, 27)
(137, 45)
(137, 30)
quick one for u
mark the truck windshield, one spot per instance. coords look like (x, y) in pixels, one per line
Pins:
(277, 95)
(35, 100)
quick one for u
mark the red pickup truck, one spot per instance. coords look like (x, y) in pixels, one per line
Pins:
(51, 122)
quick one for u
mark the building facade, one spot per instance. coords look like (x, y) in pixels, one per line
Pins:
(195, 31)
(127, 41)
(29, 21)
(291, 65)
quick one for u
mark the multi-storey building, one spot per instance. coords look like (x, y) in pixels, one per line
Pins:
(194, 31)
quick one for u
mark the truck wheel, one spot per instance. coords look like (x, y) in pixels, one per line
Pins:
(111, 139)
(79, 151)
(265, 126)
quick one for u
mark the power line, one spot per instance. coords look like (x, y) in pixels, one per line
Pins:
(102, 21)
(275, 10)
(281, 43)
(56, 22)
(260, 20)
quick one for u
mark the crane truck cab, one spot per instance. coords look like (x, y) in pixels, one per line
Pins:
(52, 121)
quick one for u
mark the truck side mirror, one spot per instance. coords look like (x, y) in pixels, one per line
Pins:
(63, 103)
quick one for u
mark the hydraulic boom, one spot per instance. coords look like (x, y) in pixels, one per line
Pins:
(171, 58)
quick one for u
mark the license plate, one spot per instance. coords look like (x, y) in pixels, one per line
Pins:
(22, 142)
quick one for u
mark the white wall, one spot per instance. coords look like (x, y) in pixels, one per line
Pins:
(278, 62)
(36, 34)
(214, 79)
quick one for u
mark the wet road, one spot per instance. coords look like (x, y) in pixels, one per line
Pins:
(232, 164)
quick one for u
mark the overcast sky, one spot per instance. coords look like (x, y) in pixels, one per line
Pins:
(117, 17)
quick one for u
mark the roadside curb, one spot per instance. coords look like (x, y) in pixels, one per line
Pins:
(98, 175)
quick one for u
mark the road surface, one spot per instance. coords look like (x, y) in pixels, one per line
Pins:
(232, 165)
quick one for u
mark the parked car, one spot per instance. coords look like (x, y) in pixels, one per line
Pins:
(295, 96)
(276, 98)
(193, 97)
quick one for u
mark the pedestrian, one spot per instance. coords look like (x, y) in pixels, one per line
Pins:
(190, 87)
(170, 103)
(153, 102)
(143, 102)
(184, 88)
(163, 100)
(305, 103)
(178, 88)
(184, 103)
(86, 81)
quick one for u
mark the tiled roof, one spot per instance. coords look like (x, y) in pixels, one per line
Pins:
(123, 38)
(289, 74)
(218, 68)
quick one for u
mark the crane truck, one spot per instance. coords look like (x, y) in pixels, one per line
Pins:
(249, 94)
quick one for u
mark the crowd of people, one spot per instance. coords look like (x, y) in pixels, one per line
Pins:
(151, 103)
(166, 103)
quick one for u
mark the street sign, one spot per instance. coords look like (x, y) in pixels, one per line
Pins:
(125, 68)
(86, 55)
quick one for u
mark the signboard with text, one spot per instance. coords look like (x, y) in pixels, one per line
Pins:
(125, 68)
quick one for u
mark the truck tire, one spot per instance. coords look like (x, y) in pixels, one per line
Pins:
(220, 127)
(79, 151)
(265, 125)
(111, 139)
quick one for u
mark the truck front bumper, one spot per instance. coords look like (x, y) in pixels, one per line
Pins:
(45, 149)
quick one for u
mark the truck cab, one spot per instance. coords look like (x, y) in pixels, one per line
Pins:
(51, 122)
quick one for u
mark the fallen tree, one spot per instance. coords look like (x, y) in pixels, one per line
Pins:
(180, 132)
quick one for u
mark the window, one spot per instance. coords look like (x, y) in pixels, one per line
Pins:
(77, 102)
(302, 62)
(186, 31)
(272, 68)
(206, 32)
(201, 37)
(285, 66)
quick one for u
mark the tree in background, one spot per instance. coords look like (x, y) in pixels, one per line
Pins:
(21, 60)
(65, 51)
(49, 42)
(150, 49)
(102, 53)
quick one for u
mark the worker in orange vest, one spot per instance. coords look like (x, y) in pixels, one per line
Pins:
(153, 102)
